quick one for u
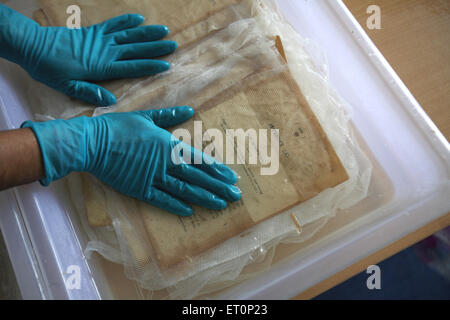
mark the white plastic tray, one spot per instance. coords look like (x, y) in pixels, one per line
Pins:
(43, 241)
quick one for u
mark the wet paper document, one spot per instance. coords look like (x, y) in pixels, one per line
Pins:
(296, 163)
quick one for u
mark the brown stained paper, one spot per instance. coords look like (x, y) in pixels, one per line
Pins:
(95, 198)
(260, 98)
(177, 15)
(203, 18)
(308, 165)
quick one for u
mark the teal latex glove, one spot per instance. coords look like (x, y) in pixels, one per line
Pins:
(67, 59)
(133, 154)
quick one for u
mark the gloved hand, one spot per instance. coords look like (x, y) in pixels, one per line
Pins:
(65, 59)
(131, 153)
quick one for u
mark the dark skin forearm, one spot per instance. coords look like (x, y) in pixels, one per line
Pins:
(20, 158)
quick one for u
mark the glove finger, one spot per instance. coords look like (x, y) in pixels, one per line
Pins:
(136, 68)
(146, 50)
(170, 117)
(89, 92)
(141, 34)
(212, 167)
(123, 22)
(199, 178)
(166, 202)
(191, 193)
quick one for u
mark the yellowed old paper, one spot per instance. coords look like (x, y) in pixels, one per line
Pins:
(152, 91)
(308, 165)
(204, 17)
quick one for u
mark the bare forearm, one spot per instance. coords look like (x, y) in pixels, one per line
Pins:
(20, 158)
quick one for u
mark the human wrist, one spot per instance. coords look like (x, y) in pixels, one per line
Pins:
(64, 146)
(20, 158)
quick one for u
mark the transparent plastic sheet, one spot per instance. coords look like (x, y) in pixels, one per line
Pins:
(229, 56)
(205, 17)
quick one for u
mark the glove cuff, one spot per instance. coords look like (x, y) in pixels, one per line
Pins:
(16, 30)
(63, 146)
